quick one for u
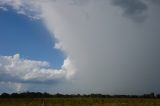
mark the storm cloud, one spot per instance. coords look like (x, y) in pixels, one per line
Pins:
(134, 9)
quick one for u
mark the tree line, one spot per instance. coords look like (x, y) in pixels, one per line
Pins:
(58, 95)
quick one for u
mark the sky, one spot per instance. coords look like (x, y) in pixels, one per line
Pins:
(80, 46)
(29, 38)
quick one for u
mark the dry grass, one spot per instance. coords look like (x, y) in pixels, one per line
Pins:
(82, 101)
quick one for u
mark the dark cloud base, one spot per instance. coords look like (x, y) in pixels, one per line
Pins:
(134, 9)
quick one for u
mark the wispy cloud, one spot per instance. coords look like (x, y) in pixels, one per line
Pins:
(23, 7)
(3, 8)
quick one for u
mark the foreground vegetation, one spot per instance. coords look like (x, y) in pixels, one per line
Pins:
(45, 99)
(79, 101)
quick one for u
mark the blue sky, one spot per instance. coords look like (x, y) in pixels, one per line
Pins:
(29, 38)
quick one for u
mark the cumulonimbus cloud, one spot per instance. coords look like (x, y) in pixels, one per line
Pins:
(15, 69)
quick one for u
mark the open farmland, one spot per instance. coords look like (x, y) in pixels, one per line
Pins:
(79, 101)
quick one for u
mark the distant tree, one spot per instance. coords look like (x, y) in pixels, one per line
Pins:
(158, 95)
(151, 95)
(59, 95)
(5, 95)
(47, 95)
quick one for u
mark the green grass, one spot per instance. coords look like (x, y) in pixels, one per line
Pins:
(81, 101)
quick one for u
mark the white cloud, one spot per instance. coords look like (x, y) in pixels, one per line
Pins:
(23, 7)
(3, 8)
(16, 69)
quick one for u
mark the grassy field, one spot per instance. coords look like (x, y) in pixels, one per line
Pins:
(79, 102)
